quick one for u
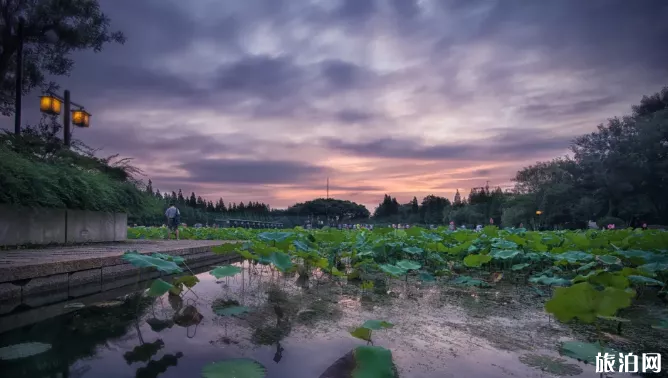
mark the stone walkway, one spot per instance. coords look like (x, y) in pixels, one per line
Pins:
(24, 264)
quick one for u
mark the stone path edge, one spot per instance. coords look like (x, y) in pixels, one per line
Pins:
(13, 273)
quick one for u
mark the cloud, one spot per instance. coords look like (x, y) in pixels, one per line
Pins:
(227, 171)
(404, 96)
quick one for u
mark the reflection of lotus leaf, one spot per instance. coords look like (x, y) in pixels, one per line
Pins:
(23, 350)
(187, 316)
(235, 368)
(144, 352)
(158, 325)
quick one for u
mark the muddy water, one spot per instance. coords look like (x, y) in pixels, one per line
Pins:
(297, 330)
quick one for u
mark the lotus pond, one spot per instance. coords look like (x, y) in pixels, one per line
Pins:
(337, 304)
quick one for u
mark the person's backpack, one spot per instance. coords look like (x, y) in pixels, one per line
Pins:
(177, 217)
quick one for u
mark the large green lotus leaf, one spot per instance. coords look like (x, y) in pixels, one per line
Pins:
(300, 245)
(609, 260)
(610, 279)
(176, 259)
(637, 257)
(408, 265)
(377, 324)
(159, 287)
(503, 244)
(187, 281)
(144, 261)
(275, 236)
(584, 302)
(642, 280)
(22, 350)
(574, 256)
(361, 333)
(474, 261)
(225, 271)
(373, 362)
(585, 352)
(248, 255)
(504, 254)
(281, 260)
(392, 270)
(549, 281)
(413, 250)
(235, 368)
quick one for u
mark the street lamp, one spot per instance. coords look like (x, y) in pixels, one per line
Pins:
(51, 104)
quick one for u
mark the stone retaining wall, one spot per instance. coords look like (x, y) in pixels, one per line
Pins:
(39, 226)
(65, 286)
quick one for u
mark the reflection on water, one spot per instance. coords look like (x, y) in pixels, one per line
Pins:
(298, 328)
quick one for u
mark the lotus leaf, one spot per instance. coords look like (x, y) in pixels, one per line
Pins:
(361, 333)
(22, 350)
(573, 257)
(475, 261)
(517, 267)
(504, 254)
(275, 236)
(281, 261)
(144, 261)
(159, 287)
(609, 260)
(392, 270)
(413, 250)
(408, 265)
(584, 302)
(550, 281)
(426, 277)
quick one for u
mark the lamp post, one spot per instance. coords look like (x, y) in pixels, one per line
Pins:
(19, 77)
(538, 213)
(51, 103)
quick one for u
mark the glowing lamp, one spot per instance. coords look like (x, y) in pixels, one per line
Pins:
(538, 212)
(80, 118)
(50, 105)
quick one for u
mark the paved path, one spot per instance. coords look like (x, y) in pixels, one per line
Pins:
(23, 264)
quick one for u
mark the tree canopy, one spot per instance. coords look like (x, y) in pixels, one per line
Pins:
(53, 29)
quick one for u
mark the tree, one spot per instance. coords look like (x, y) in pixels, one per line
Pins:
(53, 29)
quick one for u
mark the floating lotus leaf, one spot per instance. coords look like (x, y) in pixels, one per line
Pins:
(654, 267)
(550, 281)
(235, 368)
(574, 256)
(22, 350)
(225, 271)
(585, 352)
(518, 267)
(504, 254)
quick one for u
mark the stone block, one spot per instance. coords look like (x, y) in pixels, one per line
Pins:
(89, 226)
(85, 282)
(120, 227)
(119, 275)
(46, 285)
(9, 292)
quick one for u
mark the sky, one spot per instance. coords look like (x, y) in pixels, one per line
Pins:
(263, 100)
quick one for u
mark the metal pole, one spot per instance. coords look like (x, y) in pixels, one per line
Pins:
(66, 119)
(19, 78)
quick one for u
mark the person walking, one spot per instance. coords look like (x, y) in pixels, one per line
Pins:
(173, 219)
